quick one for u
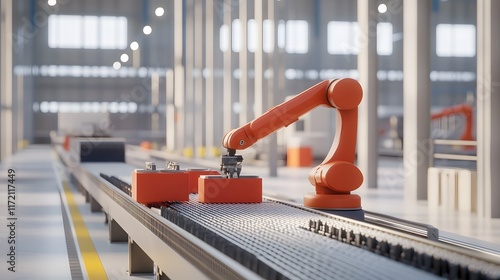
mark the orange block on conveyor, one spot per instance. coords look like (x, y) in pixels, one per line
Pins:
(153, 186)
(194, 174)
(219, 189)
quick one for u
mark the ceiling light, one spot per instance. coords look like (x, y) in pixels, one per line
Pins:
(124, 57)
(134, 45)
(147, 30)
(117, 65)
(382, 8)
(159, 11)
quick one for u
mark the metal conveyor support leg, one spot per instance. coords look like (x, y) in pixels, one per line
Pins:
(160, 275)
(116, 232)
(138, 260)
(94, 205)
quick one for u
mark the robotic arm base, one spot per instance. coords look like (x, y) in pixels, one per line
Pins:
(332, 201)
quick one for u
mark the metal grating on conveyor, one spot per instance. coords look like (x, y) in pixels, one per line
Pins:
(124, 187)
(272, 232)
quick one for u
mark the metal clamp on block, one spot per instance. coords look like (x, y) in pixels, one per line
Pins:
(153, 186)
(219, 189)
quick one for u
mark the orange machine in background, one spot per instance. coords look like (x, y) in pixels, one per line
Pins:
(461, 109)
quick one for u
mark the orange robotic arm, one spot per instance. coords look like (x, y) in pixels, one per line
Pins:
(337, 175)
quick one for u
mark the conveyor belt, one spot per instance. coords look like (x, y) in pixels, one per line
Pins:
(272, 232)
(283, 237)
(277, 240)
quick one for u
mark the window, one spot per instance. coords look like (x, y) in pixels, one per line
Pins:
(224, 38)
(90, 25)
(236, 35)
(87, 32)
(455, 40)
(252, 35)
(62, 32)
(85, 107)
(113, 33)
(281, 34)
(384, 38)
(343, 38)
(297, 36)
(267, 36)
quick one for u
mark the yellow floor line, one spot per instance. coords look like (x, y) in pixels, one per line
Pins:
(90, 258)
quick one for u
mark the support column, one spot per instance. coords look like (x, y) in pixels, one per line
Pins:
(488, 102)
(6, 146)
(160, 275)
(416, 104)
(20, 116)
(209, 80)
(189, 120)
(259, 102)
(179, 74)
(199, 91)
(94, 205)
(116, 232)
(276, 84)
(171, 111)
(155, 101)
(138, 260)
(367, 69)
(243, 65)
(258, 59)
(228, 72)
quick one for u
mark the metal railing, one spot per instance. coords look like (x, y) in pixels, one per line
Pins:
(450, 156)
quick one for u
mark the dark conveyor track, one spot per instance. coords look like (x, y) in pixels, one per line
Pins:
(280, 241)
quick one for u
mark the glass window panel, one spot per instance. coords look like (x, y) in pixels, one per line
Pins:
(252, 35)
(53, 31)
(455, 40)
(224, 38)
(121, 31)
(107, 35)
(342, 37)
(268, 36)
(384, 38)
(90, 32)
(68, 32)
(297, 36)
(236, 35)
(281, 34)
